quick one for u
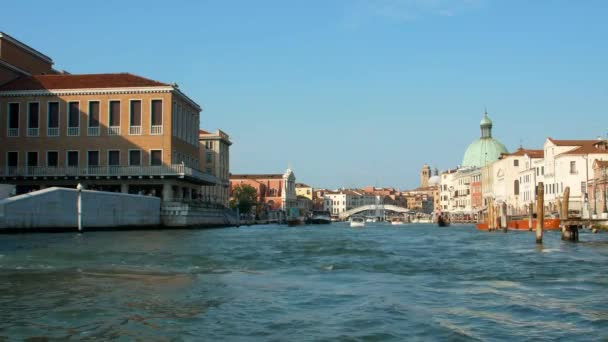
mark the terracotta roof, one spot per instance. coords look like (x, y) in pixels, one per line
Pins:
(571, 142)
(588, 147)
(524, 151)
(602, 163)
(302, 185)
(200, 131)
(85, 81)
(256, 177)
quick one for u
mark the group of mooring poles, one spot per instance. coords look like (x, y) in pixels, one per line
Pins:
(497, 216)
(569, 230)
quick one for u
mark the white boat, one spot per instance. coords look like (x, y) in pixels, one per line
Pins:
(357, 222)
(396, 221)
(320, 217)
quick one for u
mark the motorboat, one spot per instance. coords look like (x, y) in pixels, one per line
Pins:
(443, 221)
(396, 221)
(320, 217)
(358, 222)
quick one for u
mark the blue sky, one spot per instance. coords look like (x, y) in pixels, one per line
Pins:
(348, 92)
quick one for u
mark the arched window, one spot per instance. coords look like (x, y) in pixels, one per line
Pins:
(516, 187)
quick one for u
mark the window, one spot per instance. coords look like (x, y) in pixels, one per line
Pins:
(93, 158)
(52, 159)
(583, 187)
(542, 170)
(33, 119)
(72, 158)
(94, 114)
(32, 159)
(13, 119)
(516, 162)
(156, 118)
(516, 187)
(73, 119)
(113, 158)
(135, 117)
(573, 167)
(209, 157)
(156, 157)
(12, 159)
(114, 118)
(135, 158)
(53, 119)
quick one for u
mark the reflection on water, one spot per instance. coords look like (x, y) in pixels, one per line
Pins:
(305, 283)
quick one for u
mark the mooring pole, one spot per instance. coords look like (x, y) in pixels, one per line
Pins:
(79, 207)
(569, 232)
(540, 212)
(503, 217)
(530, 215)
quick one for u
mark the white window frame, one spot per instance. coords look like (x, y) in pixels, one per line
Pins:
(140, 157)
(67, 117)
(8, 120)
(91, 130)
(112, 131)
(141, 108)
(108, 158)
(48, 116)
(162, 113)
(28, 120)
(67, 159)
(162, 155)
(47, 158)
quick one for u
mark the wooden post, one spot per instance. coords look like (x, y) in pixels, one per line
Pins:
(79, 207)
(564, 209)
(530, 215)
(491, 215)
(569, 232)
(503, 217)
(559, 207)
(540, 212)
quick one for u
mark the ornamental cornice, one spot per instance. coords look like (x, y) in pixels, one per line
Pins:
(99, 91)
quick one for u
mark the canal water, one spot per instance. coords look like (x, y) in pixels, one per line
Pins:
(412, 282)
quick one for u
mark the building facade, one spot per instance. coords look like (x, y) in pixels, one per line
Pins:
(276, 193)
(214, 159)
(113, 132)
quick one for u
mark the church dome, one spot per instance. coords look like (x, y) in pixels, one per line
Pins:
(484, 150)
(434, 181)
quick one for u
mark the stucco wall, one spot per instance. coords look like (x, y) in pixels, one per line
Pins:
(57, 208)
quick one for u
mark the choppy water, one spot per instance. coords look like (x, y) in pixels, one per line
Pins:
(305, 283)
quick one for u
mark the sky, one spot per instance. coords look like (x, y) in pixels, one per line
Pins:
(348, 93)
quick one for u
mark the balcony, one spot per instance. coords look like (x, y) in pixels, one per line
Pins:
(52, 132)
(161, 171)
(13, 132)
(32, 132)
(114, 130)
(73, 131)
(93, 131)
(156, 130)
(135, 130)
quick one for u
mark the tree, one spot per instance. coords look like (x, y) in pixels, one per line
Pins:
(244, 196)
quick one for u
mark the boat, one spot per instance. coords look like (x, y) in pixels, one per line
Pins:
(396, 221)
(550, 224)
(320, 217)
(358, 222)
(295, 221)
(443, 221)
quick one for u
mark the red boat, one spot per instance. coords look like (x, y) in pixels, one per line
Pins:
(550, 224)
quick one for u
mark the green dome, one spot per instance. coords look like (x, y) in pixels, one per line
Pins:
(483, 151)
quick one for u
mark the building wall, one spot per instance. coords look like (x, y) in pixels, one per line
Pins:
(102, 143)
(23, 59)
(7, 74)
(214, 158)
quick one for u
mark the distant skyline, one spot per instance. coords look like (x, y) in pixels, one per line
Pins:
(349, 93)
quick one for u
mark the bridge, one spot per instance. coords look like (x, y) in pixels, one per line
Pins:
(373, 207)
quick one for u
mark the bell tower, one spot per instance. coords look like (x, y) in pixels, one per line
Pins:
(425, 174)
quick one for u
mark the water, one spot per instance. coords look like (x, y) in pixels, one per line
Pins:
(414, 282)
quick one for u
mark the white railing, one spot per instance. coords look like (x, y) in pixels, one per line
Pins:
(32, 132)
(135, 130)
(13, 132)
(73, 131)
(114, 130)
(52, 132)
(178, 170)
(93, 131)
(156, 130)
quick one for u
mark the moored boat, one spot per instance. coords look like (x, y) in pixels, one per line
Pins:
(549, 224)
(443, 221)
(320, 217)
(396, 221)
(358, 222)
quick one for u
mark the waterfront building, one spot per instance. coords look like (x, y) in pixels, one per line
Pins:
(570, 163)
(343, 200)
(446, 189)
(113, 132)
(20, 60)
(276, 193)
(597, 188)
(304, 191)
(214, 159)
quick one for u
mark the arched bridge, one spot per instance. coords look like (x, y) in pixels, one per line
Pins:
(373, 207)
